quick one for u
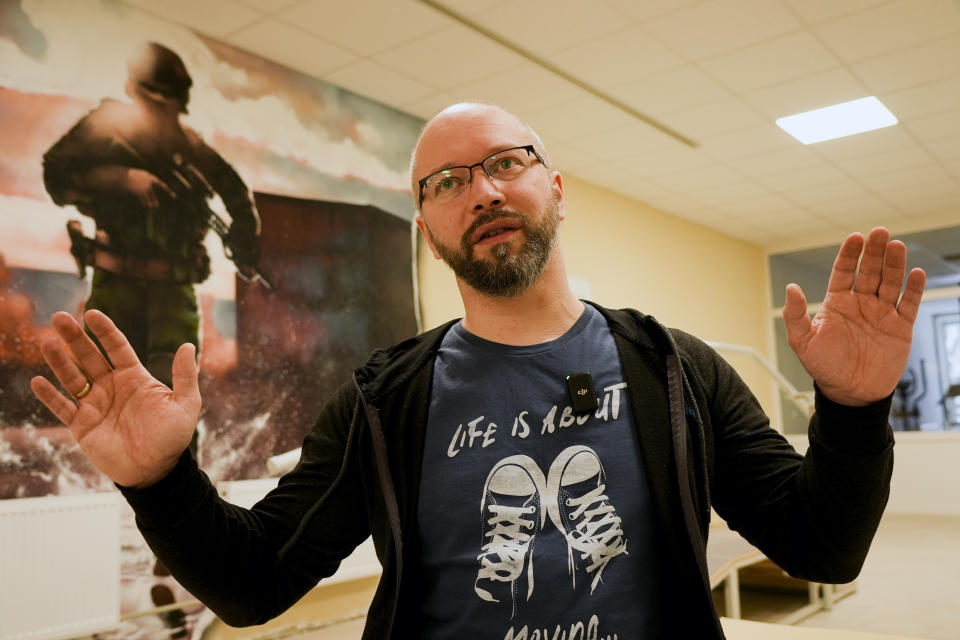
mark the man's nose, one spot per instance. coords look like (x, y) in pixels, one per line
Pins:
(485, 192)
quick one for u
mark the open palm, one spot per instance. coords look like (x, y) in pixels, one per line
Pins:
(857, 345)
(131, 426)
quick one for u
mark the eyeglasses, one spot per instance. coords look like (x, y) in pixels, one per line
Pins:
(449, 184)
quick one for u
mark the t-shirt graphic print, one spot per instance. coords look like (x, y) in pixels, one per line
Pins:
(534, 521)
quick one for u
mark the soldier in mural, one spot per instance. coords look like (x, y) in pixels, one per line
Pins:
(145, 179)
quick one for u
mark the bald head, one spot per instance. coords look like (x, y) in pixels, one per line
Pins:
(464, 133)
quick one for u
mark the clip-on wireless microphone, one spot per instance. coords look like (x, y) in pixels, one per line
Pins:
(582, 397)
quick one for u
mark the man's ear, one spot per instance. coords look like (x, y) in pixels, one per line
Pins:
(557, 187)
(425, 232)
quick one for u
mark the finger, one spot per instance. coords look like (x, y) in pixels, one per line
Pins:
(118, 349)
(64, 368)
(163, 188)
(844, 271)
(910, 301)
(84, 350)
(186, 387)
(795, 316)
(871, 264)
(894, 269)
(52, 399)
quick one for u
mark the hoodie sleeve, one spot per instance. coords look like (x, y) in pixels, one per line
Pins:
(814, 515)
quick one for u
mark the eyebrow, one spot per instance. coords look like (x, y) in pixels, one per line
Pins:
(490, 151)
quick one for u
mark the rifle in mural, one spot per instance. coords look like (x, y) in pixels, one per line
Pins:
(192, 190)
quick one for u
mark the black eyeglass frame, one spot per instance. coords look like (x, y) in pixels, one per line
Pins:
(529, 148)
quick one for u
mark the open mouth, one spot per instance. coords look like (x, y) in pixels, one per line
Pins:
(495, 232)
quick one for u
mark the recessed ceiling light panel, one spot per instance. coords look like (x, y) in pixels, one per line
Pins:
(837, 121)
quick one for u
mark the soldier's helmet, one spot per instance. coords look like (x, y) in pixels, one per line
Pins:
(160, 74)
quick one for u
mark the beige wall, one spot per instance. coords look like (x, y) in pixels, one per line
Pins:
(685, 275)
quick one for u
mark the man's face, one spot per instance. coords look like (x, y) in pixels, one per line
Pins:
(498, 235)
(508, 271)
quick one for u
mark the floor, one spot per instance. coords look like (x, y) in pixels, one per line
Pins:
(910, 583)
(910, 586)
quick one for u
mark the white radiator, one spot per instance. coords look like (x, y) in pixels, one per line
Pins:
(59, 566)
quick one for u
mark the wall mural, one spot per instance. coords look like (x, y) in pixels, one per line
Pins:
(198, 193)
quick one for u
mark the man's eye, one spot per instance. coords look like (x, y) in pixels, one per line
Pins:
(503, 164)
(447, 184)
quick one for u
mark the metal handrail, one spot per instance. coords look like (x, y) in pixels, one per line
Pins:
(802, 399)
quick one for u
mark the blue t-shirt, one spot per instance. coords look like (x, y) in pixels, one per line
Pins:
(533, 518)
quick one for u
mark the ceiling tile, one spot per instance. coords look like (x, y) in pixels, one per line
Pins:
(568, 158)
(671, 90)
(771, 63)
(859, 208)
(637, 141)
(732, 192)
(365, 26)
(911, 177)
(805, 94)
(816, 11)
(936, 126)
(704, 178)
(267, 6)
(714, 119)
(450, 57)
(718, 26)
(911, 67)
(889, 27)
(566, 121)
(773, 162)
(927, 198)
(470, 7)
(377, 82)
(944, 148)
(762, 207)
(953, 167)
(810, 224)
(292, 47)
(803, 178)
(884, 161)
(923, 100)
(521, 89)
(547, 26)
(810, 196)
(217, 18)
(429, 106)
(772, 216)
(671, 202)
(616, 59)
(638, 11)
(609, 174)
(763, 139)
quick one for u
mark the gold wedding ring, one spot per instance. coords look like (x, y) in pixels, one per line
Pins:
(83, 392)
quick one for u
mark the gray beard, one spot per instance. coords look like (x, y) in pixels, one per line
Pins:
(507, 274)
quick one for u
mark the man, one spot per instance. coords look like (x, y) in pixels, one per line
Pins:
(144, 178)
(498, 505)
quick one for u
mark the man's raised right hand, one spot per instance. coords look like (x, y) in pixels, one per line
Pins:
(132, 427)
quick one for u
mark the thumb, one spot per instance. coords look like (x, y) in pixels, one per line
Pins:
(186, 387)
(795, 316)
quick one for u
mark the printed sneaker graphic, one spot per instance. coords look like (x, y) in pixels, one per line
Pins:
(512, 515)
(579, 507)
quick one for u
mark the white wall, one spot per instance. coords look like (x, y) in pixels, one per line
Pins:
(926, 473)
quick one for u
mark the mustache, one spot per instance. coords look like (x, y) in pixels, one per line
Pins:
(490, 216)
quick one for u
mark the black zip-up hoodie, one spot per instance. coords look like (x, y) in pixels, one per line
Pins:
(705, 442)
